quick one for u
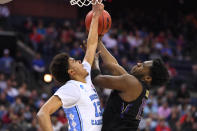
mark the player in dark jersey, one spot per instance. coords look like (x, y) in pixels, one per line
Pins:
(125, 105)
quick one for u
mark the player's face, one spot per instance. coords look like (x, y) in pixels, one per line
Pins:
(77, 67)
(142, 69)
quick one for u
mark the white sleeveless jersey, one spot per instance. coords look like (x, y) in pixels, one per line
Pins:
(81, 104)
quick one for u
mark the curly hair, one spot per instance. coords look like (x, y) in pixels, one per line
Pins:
(159, 73)
(59, 68)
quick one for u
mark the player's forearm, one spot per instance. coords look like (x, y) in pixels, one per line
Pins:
(92, 41)
(93, 33)
(105, 54)
(44, 121)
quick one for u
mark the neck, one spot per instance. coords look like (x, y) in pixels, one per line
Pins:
(80, 79)
(140, 78)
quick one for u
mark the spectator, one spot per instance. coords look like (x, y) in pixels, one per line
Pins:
(171, 98)
(40, 29)
(3, 84)
(183, 95)
(15, 125)
(172, 71)
(28, 26)
(61, 117)
(164, 111)
(23, 92)
(76, 52)
(162, 126)
(35, 39)
(148, 125)
(109, 40)
(18, 105)
(20, 59)
(6, 62)
(11, 92)
(3, 100)
(174, 117)
(34, 126)
(57, 125)
(51, 32)
(186, 122)
(167, 51)
(4, 11)
(2, 111)
(67, 35)
(4, 14)
(27, 114)
(38, 66)
(150, 109)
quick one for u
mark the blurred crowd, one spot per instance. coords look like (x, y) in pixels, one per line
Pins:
(137, 37)
(19, 106)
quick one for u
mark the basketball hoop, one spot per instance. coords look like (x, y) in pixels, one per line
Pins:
(82, 3)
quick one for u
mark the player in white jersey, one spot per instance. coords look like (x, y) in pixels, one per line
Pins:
(77, 96)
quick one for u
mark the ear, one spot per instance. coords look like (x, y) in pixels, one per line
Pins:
(148, 79)
(71, 72)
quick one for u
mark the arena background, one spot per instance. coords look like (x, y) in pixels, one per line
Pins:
(33, 31)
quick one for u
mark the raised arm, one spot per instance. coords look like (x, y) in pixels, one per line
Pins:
(43, 116)
(110, 61)
(105, 54)
(121, 82)
(124, 83)
(92, 41)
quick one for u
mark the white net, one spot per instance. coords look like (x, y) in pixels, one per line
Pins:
(82, 3)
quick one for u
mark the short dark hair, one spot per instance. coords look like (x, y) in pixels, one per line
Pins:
(59, 68)
(159, 73)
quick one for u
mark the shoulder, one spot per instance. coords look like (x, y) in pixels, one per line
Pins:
(69, 89)
(131, 80)
(132, 83)
(69, 85)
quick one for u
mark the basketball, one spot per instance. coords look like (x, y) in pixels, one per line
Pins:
(104, 22)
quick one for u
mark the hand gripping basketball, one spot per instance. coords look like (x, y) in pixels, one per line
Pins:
(104, 22)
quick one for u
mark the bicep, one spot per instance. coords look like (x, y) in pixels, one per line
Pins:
(121, 83)
(90, 53)
(52, 105)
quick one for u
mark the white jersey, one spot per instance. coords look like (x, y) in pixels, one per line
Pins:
(81, 104)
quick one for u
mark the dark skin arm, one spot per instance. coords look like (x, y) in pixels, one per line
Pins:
(128, 85)
(110, 61)
(124, 83)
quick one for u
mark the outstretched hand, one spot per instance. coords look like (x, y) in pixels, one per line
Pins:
(97, 8)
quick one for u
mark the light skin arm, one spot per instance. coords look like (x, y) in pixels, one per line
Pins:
(109, 61)
(92, 41)
(43, 116)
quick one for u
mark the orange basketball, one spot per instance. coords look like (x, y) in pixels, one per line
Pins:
(104, 22)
